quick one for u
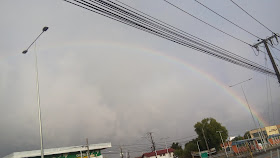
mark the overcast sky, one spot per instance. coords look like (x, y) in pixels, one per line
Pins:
(108, 82)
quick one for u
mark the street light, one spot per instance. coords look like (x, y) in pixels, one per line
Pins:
(38, 92)
(223, 142)
(198, 148)
(165, 145)
(259, 130)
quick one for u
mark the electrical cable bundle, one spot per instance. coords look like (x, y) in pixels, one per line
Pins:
(156, 27)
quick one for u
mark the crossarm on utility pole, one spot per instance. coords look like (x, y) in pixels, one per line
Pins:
(264, 41)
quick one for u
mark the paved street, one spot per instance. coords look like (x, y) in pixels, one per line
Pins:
(269, 153)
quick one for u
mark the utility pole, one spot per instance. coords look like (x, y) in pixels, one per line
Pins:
(121, 154)
(198, 148)
(223, 142)
(166, 145)
(264, 41)
(153, 143)
(87, 149)
(206, 142)
(128, 156)
(228, 143)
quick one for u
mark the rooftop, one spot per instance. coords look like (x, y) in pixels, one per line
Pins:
(62, 150)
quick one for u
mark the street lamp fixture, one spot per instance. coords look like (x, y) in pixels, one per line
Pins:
(43, 30)
(38, 92)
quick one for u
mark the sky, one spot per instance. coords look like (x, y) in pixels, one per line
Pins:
(108, 82)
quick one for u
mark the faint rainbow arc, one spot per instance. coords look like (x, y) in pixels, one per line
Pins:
(173, 59)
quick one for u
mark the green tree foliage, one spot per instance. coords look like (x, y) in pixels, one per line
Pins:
(189, 147)
(178, 150)
(176, 146)
(237, 138)
(186, 153)
(210, 127)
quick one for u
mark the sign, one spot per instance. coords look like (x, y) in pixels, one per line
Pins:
(204, 154)
(271, 130)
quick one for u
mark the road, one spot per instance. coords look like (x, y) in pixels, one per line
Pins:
(268, 154)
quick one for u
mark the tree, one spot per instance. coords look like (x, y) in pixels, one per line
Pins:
(237, 138)
(178, 150)
(176, 146)
(189, 147)
(210, 127)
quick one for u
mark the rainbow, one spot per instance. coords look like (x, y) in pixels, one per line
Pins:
(177, 61)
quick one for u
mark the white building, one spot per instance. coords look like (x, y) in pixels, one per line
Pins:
(65, 152)
(166, 153)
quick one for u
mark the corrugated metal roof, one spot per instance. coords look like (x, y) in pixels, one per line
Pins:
(62, 150)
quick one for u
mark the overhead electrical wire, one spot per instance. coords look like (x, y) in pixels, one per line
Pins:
(272, 43)
(206, 23)
(274, 56)
(268, 92)
(177, 29)
(276, 48)
(226, 19)
(251, 16)
(137, 20)
(195, 17)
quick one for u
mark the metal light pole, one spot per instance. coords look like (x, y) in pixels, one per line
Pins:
(38, 92)
(259, 130)
(166, 145)
(198, 148)
(223, 142)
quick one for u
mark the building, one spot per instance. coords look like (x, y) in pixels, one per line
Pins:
(166, 153)
(65, 152)
(228, 145)
(245, 146)
(274, 139)
(265, 131)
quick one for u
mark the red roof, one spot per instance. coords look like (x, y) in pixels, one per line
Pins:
(159, 152)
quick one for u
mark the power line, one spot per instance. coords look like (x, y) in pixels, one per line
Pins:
(251, 16)
(206, 22)
(173, 140)
(226, 19)
(266, 84)
(276, 48)
(268, 91)
(275, 57)
(126, 16)
(181, 31)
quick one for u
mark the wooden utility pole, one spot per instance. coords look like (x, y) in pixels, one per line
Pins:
(153, 143)
(206, 142)
(265, 41)
(88, 155)
(121, 154)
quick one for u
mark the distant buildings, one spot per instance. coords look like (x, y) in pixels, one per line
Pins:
(266, 131)
(166, 153)
(65, 152)
(260, 138)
